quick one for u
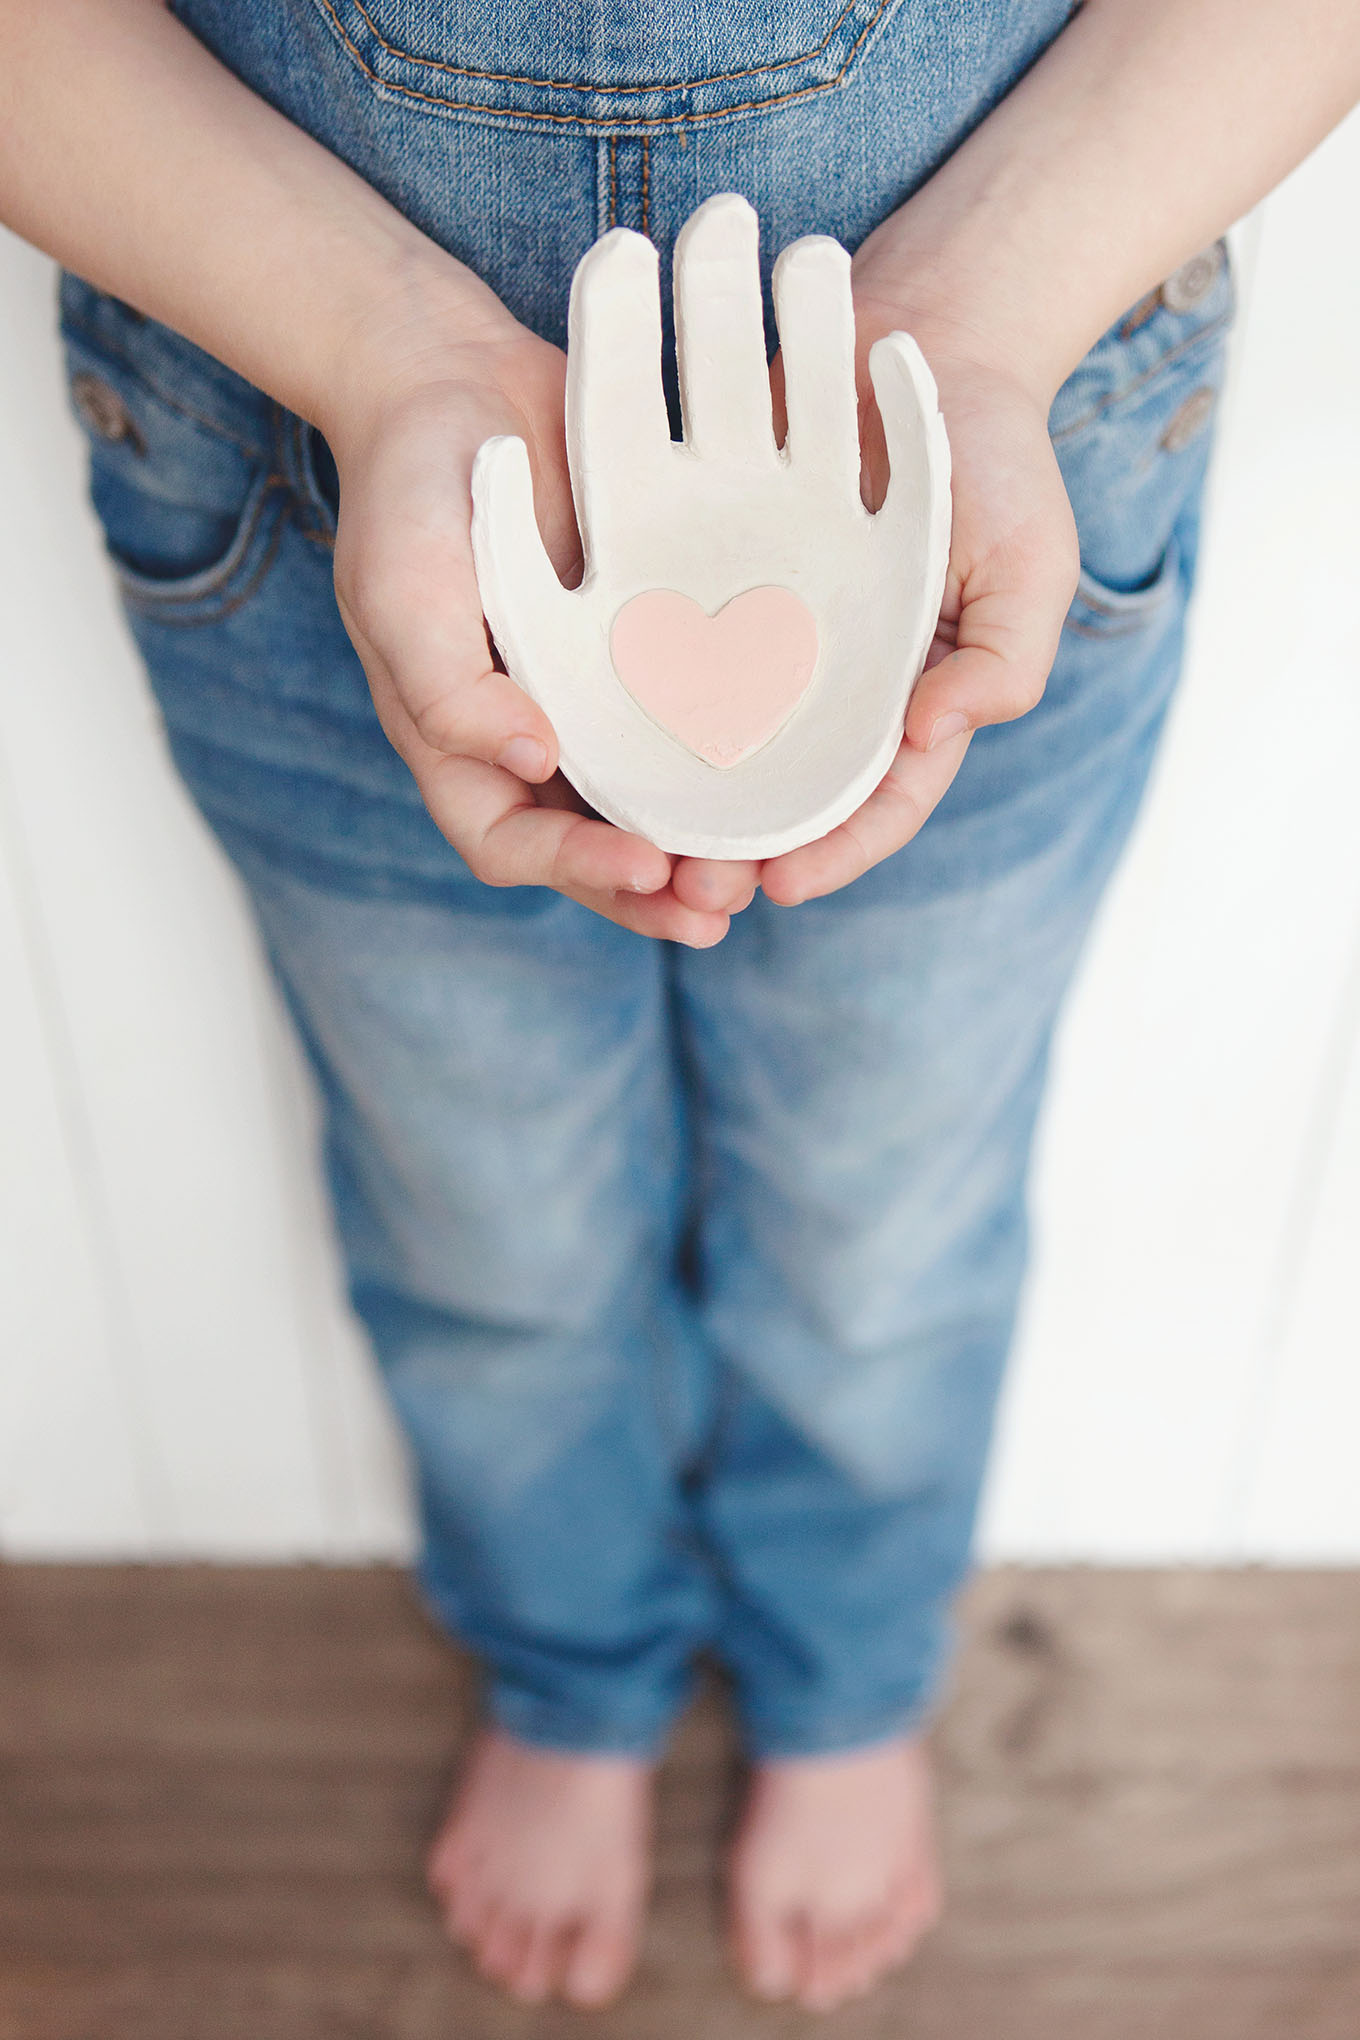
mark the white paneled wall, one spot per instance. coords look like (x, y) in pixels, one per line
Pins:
(178, 1376)
(1188, 1383)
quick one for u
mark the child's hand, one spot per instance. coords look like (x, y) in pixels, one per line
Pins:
(1012, 574)
(482, 753)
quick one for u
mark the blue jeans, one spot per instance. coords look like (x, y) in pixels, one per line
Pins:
(691, 1274)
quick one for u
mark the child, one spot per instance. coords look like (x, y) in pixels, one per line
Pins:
(686, 1227)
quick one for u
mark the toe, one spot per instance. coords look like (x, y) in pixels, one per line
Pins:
(466, 1909)
(766, 1958)
(443, 1864)
(912, 1915)
(500, 1945)
(540, 1963)
(899, 1933)
(875, 1953)
(830, 1967)
(597, 1963)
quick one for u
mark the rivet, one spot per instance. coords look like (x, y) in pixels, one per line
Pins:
(1191, 283)
(103, 410)
(1190, 420)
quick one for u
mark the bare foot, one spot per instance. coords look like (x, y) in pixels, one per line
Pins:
(542, 1868)
(833, 1876)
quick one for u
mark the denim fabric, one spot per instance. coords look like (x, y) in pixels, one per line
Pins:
(691, 1274)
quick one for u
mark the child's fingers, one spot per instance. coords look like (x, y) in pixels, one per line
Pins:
(1007, 641)
(712, 884)
(507, 838)
(660, 916)
(425, 651)
(895, 810)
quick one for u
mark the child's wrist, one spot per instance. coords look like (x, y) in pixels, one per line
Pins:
(961, 315)
(427, 319)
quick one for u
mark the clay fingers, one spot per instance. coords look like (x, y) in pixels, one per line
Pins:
(507, 546)
(618, 434)
(918, 447)
(816, 318)
(724, 374)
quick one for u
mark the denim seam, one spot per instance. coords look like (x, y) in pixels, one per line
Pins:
(576, 85)
(88, 339)
(774, 1732)
(549, 1725)
(1158, 593)
(1127, 389)
(312, 515)
(148, 603)
(660, 120)
(1114, 626)
(1137, 612)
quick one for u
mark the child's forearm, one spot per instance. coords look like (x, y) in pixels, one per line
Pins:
(1146, 128)
(168, 182)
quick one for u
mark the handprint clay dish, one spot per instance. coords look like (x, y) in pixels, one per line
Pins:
(731, 676)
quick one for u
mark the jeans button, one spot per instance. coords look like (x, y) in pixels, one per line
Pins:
(1191, 283)
(1190, 420)
(103, 410)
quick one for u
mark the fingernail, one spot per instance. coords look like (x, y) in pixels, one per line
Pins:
(525, 757)
(946, 726)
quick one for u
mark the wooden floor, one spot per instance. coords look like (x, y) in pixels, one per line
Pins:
(215, 1787)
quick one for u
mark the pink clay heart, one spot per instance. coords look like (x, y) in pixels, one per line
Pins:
(722, 684)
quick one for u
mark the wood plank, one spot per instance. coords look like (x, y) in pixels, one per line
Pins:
(217, 1786)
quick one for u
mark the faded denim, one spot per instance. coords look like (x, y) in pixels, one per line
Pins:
(691, 1274)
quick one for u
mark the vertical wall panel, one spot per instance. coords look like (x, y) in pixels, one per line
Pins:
(73, 1477)
(1301, 1488)
(157, 977)
(1201, 1043)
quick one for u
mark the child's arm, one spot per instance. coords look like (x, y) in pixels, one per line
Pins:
(129, 153)
(1146, 128)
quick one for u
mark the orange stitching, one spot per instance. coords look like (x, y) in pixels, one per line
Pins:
(585, 120)
(305, 488)
(646, 181)
(85, 338)
(574, 85)
(613, 180)
(145, 597)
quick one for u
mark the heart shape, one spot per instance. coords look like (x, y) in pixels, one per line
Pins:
(721, 684)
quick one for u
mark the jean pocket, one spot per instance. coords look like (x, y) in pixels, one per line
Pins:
(182, 469)
(555, 67)
(1132, 429)
(1101, 611)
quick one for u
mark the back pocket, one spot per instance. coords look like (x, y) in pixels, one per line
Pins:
(576, 64)
(1132, 429)
(182, 474)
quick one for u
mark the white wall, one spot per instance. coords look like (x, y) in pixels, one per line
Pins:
(177, 1374)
